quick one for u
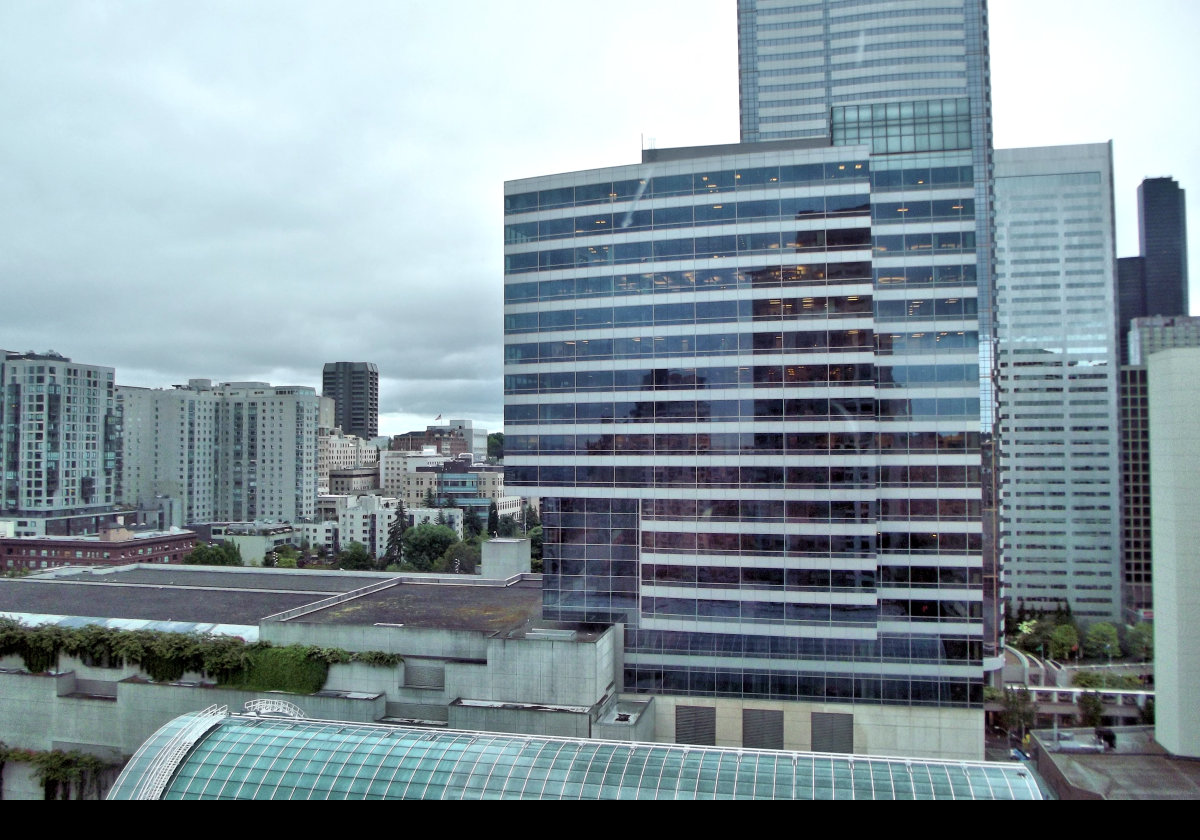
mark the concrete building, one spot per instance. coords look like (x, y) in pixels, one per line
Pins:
(748, 383)
(396, 468)
(1058, 378)
(1156, 282)
(358, 518)
(452, 438)
(59, 444)
(1175, 487)
(1146, 336)
(1161, 332)
(337, 450)
(476, 654)
(170, 448)
(238, 451)
(354, 387)
(254, 540)
(354, 480)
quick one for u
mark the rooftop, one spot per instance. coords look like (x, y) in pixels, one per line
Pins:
(471, 605)
(173, 593)
(214, 755)
(242, 596)
(1138, 767)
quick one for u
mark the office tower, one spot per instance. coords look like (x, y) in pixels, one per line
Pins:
(1136, 593)
(354, 387)
(746, 383)
(1175, 487)
(1146, 337)
(1058, 379)
(58, 441)
(238, 451)
(1155, 283)
(1162, 234)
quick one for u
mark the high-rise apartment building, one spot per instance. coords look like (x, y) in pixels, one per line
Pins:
(58, 439)
(751, 384)
(235, 452)
(354, 387)
(1058, 377)
(1155, 283)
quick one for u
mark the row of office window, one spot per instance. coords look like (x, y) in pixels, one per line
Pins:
(703, 681)
(757, 343)
(697, 247)
(757, 410)
(723, 279)
(740, 443)
(700, 183)
(811, 476)
(703, 378)
(708, 311)
(949, 648)
(842, 545)
(686, 216)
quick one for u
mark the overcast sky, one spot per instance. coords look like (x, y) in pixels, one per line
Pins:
(234, 190)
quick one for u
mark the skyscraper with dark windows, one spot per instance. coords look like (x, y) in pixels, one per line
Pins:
(1156, 282)
(354, 388)
(751, 384)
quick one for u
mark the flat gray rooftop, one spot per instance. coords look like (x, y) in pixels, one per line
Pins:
(174, 593)
(504, 610)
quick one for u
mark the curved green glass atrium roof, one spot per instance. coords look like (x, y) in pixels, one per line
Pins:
(212, 755)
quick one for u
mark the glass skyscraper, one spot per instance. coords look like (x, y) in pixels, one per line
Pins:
(752, 385)
(1059, 379)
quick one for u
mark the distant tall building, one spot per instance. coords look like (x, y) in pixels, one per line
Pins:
(1058, 377)
(59, 441)
(239, 451)
(751, 384)
(354, 387)
(1147, 336)
(1156, 283)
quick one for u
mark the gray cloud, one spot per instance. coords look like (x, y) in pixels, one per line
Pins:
(248, 190)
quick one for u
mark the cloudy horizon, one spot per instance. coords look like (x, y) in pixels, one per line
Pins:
(242, 192)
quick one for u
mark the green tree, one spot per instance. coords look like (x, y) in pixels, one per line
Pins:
(506, 526)
(441, 517)
(1101, 641)
(1019, 712)
(1091, 709)
(425, 544)
(1139, 641)
(395, 535)
(287, 562)
(430, 498)
(222, 554)
(495, 446)
(462, 558)
(535, 548)
(355, 557)
(493, 525)
(1064, 641)
(531, 517)
(472, 525)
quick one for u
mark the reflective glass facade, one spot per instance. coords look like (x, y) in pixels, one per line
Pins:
(237, 757)
(753, 383)
(1059, 379)
(758, 450)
